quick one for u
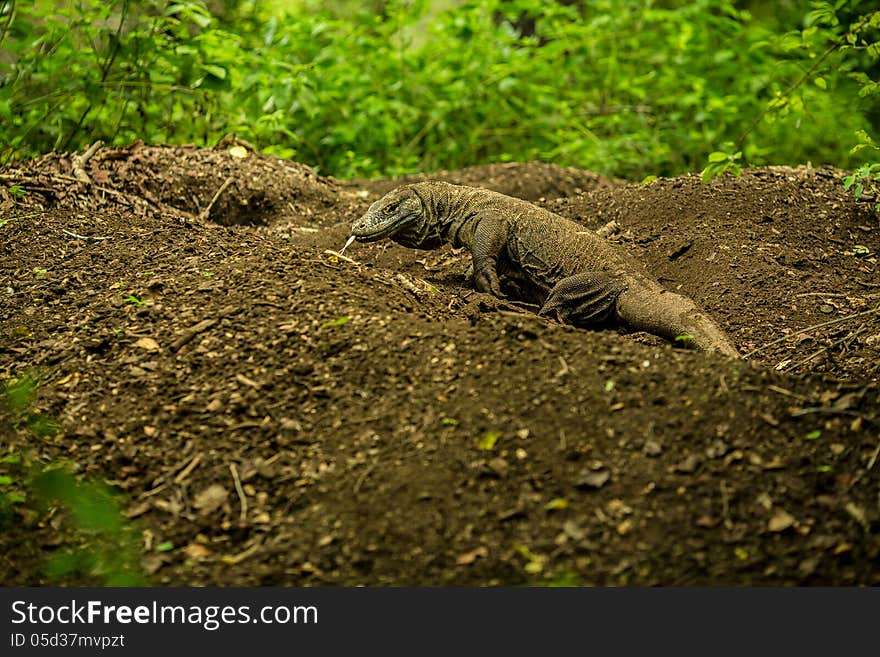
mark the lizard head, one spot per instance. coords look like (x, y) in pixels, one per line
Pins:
(400, 215)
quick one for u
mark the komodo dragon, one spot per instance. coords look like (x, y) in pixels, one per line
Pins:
(571, 272)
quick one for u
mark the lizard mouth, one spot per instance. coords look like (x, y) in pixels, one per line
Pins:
(367, 231)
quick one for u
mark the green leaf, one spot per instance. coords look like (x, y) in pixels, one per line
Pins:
(556, 503)
(489, 440)
(165, 546)
(216, 71)
(813, 435)
(336, 322)
(5, 481)
(718, 156)
(449, 422)
(820, 82)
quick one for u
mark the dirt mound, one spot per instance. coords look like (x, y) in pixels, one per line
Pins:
(228, 185)
(271, 413)
(527, 180)
(773, 252)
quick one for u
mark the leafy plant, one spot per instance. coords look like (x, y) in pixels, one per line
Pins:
(620, 86)
(107, 545)
(865, 178)
(102, 544)
(720, 162)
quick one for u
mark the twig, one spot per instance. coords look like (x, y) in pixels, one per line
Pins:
(783, 391)
(821, 351)
(866, 284)
(874, 457)
(725, 505)
(85, 237)
(192, 332)
(830, 295)
(241, 497)
(565, 369)
(360, 480)
(204, 214)
(80, 161)
(183, 474)
(830, 410)
(810, 328)
(337, 254)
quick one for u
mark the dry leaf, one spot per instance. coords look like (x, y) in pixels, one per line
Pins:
(148, 344)
(210, 499)
(197, 551)
(780, 521)
(470, 557)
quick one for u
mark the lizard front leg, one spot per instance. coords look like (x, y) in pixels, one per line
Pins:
(584, 299)
(489, 240)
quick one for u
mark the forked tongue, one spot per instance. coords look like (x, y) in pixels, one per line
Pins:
(347, 244)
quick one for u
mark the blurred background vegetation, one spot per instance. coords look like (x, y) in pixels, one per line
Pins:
(629, 88)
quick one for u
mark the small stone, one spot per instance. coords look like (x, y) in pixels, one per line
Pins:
(825, 308)
(290, 425)
(210, 499)
(780, 521)
(717, 449)
(652, 448)
(499, 466)
(689, 465)
(592, 479)
(573, 530)
(706, 522)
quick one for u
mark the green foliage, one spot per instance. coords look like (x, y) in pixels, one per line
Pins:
(100, 543)
(333, 323)
(107, 546)
(19, 396)
(865, 178)
(11, 489)
(489, 440)
(627, 87)
(130, 298)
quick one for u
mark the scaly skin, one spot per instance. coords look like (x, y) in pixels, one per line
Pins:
(575, 275)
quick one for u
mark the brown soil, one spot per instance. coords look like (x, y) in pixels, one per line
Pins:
(388, 425)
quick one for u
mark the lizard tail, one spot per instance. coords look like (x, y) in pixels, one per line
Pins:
(674, 317)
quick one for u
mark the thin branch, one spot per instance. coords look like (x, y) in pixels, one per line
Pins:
(9, 18)
(105, 70)
(821, 351)
(80, 161)
(241, 498)
(806, 75)
(811, 328)
(84, 237)
(204, 214)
